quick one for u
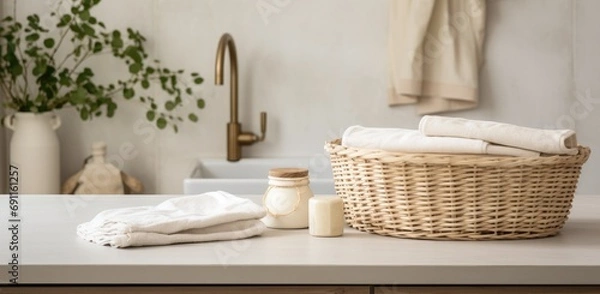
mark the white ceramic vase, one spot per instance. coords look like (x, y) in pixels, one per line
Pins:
(34, 150)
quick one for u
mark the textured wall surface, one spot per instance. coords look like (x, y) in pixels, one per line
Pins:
(319, 66)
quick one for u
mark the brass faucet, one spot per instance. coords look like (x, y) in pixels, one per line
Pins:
(235, 136)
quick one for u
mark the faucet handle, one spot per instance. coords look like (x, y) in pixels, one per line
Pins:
(249, 138)
(263, 126)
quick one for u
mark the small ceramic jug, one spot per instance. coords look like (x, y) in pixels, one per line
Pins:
(101, 177)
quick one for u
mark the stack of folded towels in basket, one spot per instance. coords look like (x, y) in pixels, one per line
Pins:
(210, 216)
(448, 135)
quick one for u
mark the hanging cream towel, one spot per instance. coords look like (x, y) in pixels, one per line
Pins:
(545, 141)
(435, 50)
(210, 216)
(412, 141)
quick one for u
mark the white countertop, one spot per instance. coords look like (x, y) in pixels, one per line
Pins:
(51, 252)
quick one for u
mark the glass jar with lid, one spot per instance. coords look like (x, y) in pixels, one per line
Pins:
(286, 198)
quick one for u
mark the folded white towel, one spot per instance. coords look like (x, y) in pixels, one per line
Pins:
(545, 141)
(412, 141)
(206, 217)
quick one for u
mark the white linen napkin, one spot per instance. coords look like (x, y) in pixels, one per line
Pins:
(545, 141)
(412, 141)
(206, 217)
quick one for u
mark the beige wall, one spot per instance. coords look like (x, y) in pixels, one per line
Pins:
(586, 43)
(318, 66)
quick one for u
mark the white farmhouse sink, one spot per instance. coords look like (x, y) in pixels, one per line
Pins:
(250, 175)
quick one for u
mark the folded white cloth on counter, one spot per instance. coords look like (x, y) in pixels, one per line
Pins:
(545, 141)
(412, 141)
(206, 217)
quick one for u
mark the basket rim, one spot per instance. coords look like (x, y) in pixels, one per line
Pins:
(335, 147)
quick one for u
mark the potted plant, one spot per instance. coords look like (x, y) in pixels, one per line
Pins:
(45, 69)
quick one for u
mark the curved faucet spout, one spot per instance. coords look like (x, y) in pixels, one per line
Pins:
(235, 136)
(225, 42)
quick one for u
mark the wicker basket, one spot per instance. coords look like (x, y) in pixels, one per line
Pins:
(454, 197)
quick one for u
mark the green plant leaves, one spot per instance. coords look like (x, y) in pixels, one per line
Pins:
(28, 50)
(110, 109)
(133, 53)
(91, 88)
(77, 51)
(78, 32)
(84, 15)
(169, 105)
(150, 115)
(34, 18)
(200, 103)
(40, 67)
(78, 96)
(33, 24)
(49, 43)
(32, 37)
(128, 93)
(84, 114)
(33, 51)
(88, 30)
(135, 68)
(161, 123)
(97, 47)
(14, 65)
(64, 21)
(116, 42)
(16, 70)
(84, 76)
(64, 78)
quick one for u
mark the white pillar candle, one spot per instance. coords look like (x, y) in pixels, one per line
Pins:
(326, 216)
